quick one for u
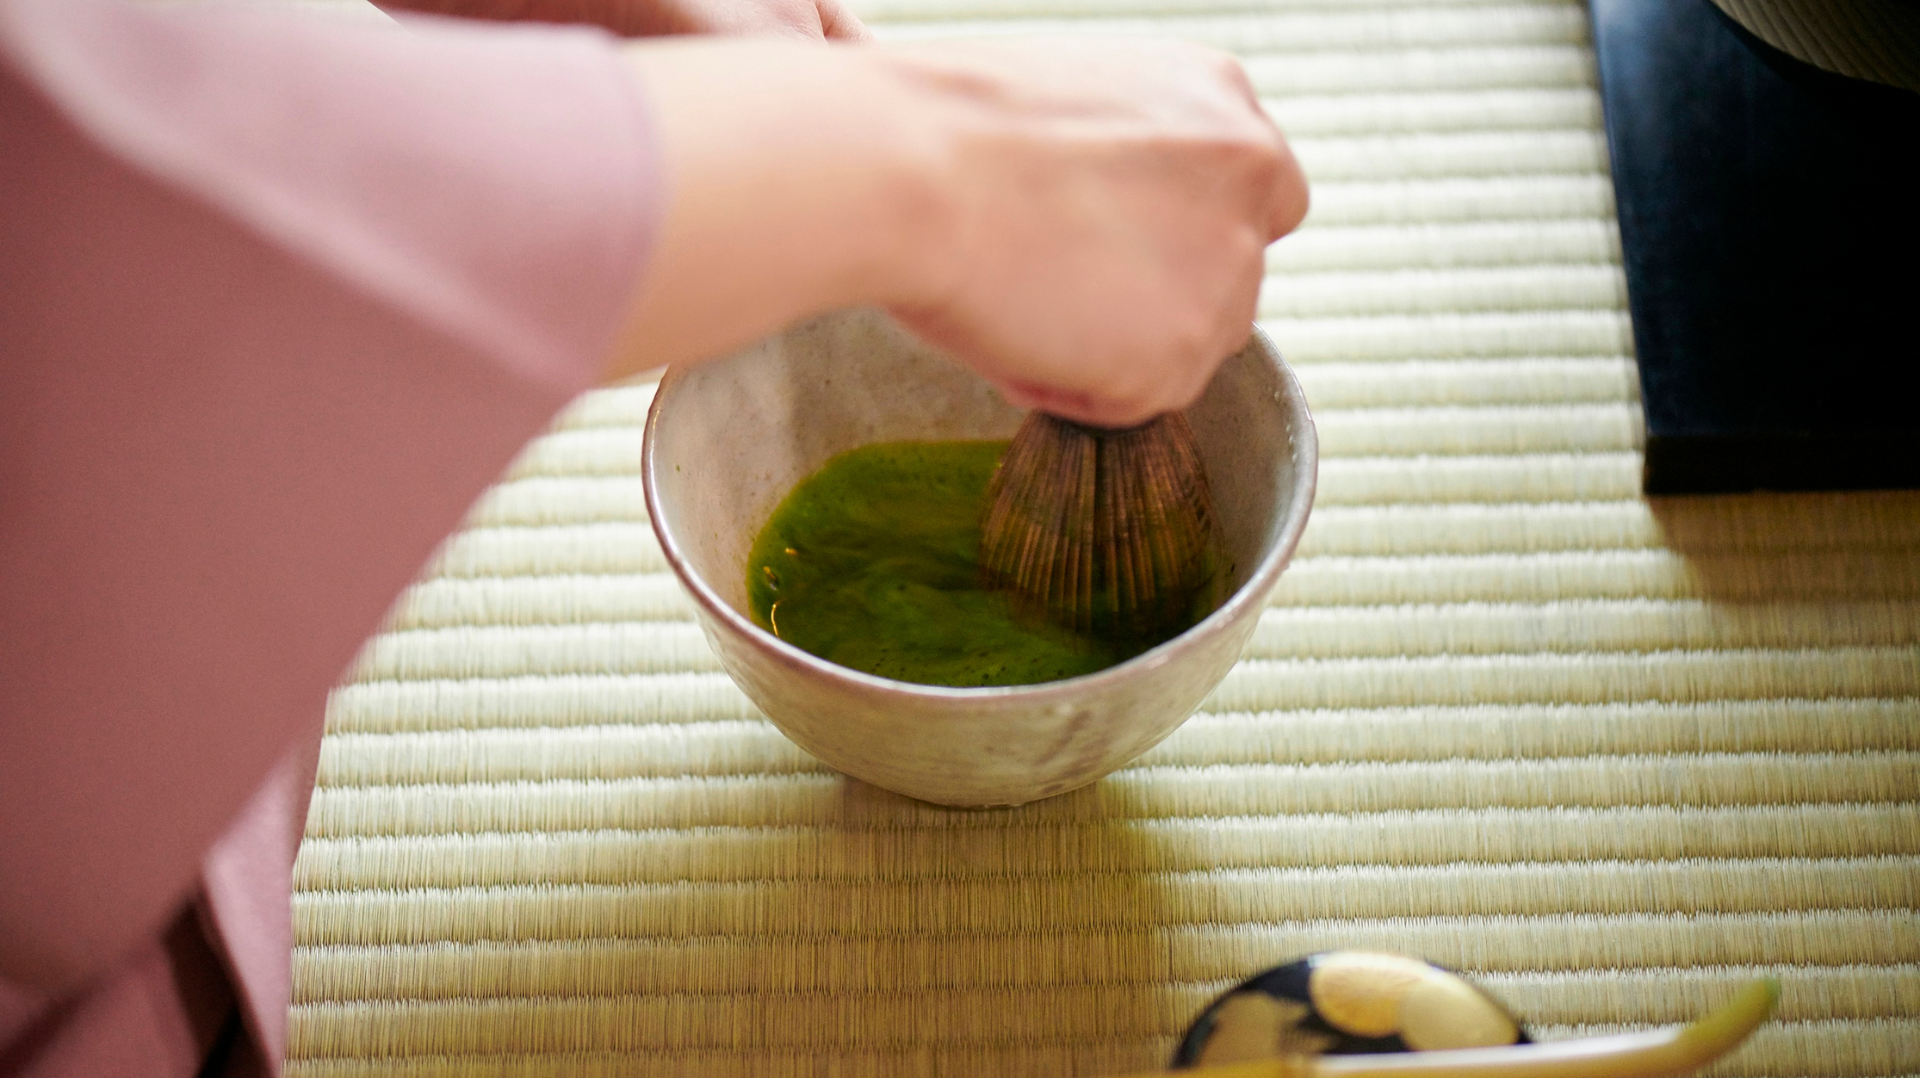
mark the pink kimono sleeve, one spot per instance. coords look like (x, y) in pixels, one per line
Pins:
(279, 295)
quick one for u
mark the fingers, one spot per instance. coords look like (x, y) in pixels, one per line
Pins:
(1287, 196)
(1079, 407)
(841, 24)
(1232, 72)
(1289, 199)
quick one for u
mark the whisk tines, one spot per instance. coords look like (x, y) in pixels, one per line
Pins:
(1102, 531)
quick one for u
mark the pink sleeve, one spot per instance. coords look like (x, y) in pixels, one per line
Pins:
(279, 296)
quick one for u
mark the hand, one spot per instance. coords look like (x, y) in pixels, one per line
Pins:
(813, 19)
(1083, 222)
(1116, 201)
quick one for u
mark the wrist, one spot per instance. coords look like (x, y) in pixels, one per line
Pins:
(936, 106)
(900, 197)
(801, 178)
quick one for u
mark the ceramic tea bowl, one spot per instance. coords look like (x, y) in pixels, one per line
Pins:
(725, 442)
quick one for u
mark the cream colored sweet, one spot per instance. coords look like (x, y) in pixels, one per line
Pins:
(727, 439)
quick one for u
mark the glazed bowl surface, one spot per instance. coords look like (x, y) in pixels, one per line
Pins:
(727, 439)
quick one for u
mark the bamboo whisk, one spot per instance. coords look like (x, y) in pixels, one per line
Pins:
(1102, 531)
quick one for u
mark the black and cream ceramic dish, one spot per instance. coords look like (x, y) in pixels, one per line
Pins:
(1347, 1003)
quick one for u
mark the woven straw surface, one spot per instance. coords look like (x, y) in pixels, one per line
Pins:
(1611, 757)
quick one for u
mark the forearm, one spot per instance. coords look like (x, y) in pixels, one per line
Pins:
(800, 179)
(508, 10)
(809, 19)
(1083, 223)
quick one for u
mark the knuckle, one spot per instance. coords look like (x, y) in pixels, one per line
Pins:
(1217, 62)
(1193, 340)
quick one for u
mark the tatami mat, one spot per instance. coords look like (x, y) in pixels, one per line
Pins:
(1609, 756)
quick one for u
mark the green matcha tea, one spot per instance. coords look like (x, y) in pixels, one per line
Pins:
(873, 563)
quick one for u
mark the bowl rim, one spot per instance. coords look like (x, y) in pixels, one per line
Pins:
(1257, 587)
